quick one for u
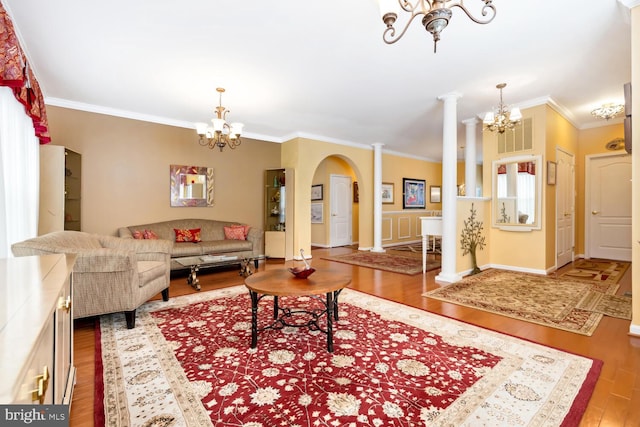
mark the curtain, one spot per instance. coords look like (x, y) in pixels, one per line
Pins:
(19, 174)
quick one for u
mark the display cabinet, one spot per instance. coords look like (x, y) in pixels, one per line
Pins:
(72, 193)
(274, 213)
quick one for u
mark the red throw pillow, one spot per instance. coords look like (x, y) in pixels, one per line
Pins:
(148, 234)
(137, 234)
(187, 235)
(235, 232)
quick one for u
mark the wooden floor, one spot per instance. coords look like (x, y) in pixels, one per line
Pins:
(615, 402)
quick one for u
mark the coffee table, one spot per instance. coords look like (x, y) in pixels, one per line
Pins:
(195, 263)
(280, 282)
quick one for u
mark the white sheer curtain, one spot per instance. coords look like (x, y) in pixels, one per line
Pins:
(19, 174)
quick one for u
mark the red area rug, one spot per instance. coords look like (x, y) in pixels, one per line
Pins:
(188, 362)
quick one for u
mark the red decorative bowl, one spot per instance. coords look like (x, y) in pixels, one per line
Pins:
(302, 273)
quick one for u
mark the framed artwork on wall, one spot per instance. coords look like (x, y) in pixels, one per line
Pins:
(551, 172)
(190, 186)
(317, 214)
(356, 192)
(387, 192)
(316, 192)
(413, 193)
(434, 194)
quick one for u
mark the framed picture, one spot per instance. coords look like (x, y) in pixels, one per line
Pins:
(356, 192)
(387, 192)
(434, 194)
(551, 172)
(317, 214)
(190, 186)
(413, 193)
(316, 192)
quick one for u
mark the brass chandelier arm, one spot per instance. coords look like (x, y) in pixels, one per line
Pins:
(488, 9)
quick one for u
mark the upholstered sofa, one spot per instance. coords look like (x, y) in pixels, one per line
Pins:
(212, 239)
(110, 274)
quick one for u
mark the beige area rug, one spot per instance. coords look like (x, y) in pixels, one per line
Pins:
(547, 301)
(600, 271)
(188, 363)
(609, 305)
(396, 263)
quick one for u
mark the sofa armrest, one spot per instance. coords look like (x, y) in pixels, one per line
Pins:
(103, 260)
(256, 237)
(125, 233)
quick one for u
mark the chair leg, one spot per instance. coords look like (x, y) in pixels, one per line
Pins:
(165, 294)
(255, 262)
(130, 316)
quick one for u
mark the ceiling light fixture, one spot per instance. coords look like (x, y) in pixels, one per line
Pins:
(222, 134)
(437, 14)
(608, 111)
(502, 119)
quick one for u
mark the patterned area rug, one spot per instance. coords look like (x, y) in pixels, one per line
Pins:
(395, 263)
(547, 301)
(600, 271)
(609, 305)
(188, 362)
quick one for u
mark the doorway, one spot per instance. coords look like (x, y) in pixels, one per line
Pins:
(608, 207)
(340, 211)
(565, 207)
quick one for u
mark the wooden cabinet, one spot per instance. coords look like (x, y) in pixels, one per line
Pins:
(60, 189)
(36, 330)
(274, 213)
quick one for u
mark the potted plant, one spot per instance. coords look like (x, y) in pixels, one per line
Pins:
(472, 239)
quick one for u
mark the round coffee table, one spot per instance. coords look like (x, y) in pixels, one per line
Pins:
(280, 282)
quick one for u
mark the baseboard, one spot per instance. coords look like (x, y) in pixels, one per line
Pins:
(519, 269)
(634, 330)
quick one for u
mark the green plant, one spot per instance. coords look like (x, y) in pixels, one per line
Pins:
(472, 238)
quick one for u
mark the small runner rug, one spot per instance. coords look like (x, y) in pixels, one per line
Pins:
(410, 265)
(599, 271)
(560, 303)
(188, 362)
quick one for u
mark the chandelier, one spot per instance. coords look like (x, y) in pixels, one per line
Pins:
(222, 134)
(608, 111)
(437, 14)
(502, 119)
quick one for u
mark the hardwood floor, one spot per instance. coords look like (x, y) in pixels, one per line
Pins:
(616, 399)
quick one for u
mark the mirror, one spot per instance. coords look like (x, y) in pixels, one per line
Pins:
(191, 186)
(517, 189)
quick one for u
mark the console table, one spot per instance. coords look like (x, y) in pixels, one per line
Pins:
(280, 282)
(36, 330)
(429, 226)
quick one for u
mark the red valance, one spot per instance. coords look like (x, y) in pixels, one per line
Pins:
(16, 74)
(525, 167)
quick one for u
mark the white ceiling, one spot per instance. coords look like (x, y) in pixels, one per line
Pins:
(320, 68)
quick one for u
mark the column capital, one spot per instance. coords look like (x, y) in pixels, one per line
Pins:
(471, 121)
(451, 95)
(378, 144)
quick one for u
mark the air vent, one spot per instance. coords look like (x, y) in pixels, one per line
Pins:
(519, 139)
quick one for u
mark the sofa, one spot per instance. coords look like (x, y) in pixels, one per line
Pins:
(214, 237)
(111, 275)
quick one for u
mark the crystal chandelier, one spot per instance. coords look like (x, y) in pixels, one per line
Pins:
(222, 134)
(608, 111)
(437, 14)
(502, 119)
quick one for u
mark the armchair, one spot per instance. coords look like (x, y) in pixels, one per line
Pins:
(110, 274)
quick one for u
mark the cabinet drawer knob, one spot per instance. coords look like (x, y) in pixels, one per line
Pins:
(65, 304)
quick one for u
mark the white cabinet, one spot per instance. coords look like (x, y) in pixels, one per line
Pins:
(36, 330)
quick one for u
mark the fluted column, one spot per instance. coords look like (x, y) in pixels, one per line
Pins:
(470, 157)
(377, 197)
(449, 189)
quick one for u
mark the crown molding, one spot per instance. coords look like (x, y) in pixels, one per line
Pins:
(629, 3)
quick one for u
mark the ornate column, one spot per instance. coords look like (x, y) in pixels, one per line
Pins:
(377, 197)
(449, 189)
(470, 157)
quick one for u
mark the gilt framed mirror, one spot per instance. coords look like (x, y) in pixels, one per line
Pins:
(517, 193)
(191, 186)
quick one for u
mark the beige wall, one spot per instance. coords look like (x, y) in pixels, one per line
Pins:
(125, 170)
(635, 82)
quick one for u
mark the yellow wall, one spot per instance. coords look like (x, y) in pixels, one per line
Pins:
(125, 170)
(635, 82)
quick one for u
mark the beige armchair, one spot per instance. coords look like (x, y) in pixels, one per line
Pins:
(110, 274)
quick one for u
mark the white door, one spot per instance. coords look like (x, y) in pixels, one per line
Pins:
(565, 207)
(608, 207)
(340, 208)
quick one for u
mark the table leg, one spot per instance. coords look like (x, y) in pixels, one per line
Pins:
(254, 319)
(425, 240)
(330, 315)
(275, 307)
(193, 280)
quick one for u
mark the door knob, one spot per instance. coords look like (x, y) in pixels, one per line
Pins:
(595, 212)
